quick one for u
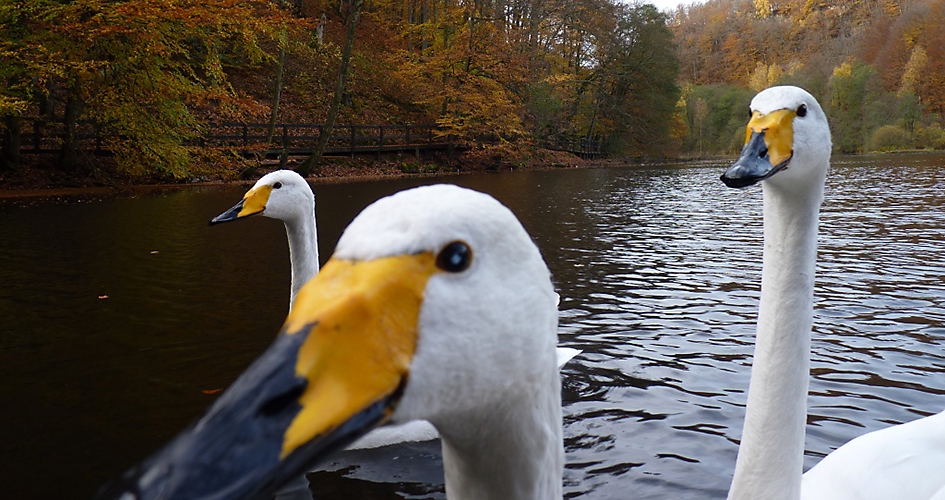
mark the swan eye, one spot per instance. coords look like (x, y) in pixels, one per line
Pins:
(277, 185)
(455, 257)
(802, 110)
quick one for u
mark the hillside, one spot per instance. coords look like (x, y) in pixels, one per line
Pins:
(152, 76)
(877, 66)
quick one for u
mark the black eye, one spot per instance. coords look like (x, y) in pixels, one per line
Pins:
(802, 110)
(455, 257)
(750, 114)
(277, 185)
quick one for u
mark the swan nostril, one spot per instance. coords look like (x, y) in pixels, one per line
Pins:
(763, 153)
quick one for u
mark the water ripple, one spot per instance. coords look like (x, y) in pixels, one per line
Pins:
(658, 271)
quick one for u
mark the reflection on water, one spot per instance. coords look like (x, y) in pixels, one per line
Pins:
(658, 270)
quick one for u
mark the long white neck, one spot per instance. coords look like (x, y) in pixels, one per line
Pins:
(771, 453)
(509, 453)
(303, 250)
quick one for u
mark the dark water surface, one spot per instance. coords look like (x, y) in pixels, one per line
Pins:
(658, 271)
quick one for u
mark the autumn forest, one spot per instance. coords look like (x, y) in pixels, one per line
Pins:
(151, 76)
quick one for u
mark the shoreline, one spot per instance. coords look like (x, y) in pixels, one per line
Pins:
(331, 173)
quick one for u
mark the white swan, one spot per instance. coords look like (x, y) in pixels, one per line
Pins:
(788, 147)
(436, 305)
(286, 196)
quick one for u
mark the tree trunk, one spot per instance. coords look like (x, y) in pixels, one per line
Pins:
(353, 12)
(590, 128)
(424, 18)
(10, 144)
(277, 92)
(274, 114)
(499, 16)
(67, 156)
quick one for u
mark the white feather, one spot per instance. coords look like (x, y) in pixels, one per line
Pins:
(903, 462)
(485, 369)
(294, 204)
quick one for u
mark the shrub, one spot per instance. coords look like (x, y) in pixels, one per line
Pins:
(931, 137)
(890, 138)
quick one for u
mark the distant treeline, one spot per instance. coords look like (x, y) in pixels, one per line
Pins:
(152, 74)
(877, 66)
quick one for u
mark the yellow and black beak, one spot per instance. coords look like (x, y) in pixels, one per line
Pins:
(253, 203)
(337, 370)
(769, 144)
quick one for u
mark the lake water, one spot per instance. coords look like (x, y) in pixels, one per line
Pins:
(123, 314)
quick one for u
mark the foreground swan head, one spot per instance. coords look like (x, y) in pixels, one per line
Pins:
(436, 305)
(280, 195)
(787, 142)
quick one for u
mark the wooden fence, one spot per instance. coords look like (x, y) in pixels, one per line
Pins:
(248, 139)
(46, 137)
(300, 139)
(585, 148)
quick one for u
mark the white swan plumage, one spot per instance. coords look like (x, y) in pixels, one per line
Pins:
(436, 305)
(285, 195)
(788, 149)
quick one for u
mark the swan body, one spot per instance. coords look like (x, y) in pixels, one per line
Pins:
(900, 462)
(437, 306)
(788, 149)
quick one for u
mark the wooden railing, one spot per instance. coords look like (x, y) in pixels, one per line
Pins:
(248, 139)
(299, 139)
(43, 136)
(585, 148)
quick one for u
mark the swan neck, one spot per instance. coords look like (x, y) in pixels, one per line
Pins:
(514, 454)
(770, 457)
(303, 251)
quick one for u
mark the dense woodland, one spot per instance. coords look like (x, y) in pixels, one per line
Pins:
(877, 67)
(153, 75)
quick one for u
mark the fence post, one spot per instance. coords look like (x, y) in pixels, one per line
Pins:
(36, 127)
(416, 149)
(352, 141)
(285, 137)
(245, 133)
(406, 135)
(380, 142)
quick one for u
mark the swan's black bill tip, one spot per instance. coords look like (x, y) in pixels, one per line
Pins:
(739, 181)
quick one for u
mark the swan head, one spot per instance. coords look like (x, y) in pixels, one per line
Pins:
(283, 195)
(787, 141)
(435, 305)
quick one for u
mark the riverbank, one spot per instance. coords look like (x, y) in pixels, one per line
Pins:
(103, 178)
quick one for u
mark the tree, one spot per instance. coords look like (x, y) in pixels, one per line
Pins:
(354, 11)
(140, 69)
(853, 88)
(637, 91)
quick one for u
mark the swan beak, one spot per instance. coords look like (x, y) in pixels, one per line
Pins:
(253, 203)
(337, 369)
(768, 149)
